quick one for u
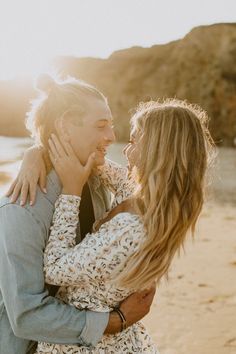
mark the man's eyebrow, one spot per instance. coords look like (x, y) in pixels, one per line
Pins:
(105, 120)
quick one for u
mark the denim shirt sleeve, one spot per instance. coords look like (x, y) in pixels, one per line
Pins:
(33, 314)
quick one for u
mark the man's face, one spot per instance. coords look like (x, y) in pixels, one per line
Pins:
(94, 134)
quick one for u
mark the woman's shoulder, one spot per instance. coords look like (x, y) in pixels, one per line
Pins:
(127, 217)
(124, 223)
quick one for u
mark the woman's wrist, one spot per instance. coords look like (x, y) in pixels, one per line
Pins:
(72, 191)
(68, 202)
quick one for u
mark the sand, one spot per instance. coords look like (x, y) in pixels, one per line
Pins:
(195, 311)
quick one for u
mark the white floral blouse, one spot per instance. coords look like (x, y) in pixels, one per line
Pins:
(85, 271)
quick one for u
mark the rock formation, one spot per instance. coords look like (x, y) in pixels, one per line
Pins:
(199, 67)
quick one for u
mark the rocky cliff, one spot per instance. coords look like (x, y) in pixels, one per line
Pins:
(201, 67)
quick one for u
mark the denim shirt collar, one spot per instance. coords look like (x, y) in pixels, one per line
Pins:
(94, 182)
(55, 185)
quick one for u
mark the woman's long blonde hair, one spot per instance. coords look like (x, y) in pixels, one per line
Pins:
(176, 148)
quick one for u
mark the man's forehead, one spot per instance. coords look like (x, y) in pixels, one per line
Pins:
(98, 112)
(97, 119)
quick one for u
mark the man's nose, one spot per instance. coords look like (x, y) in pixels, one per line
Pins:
(110, 135)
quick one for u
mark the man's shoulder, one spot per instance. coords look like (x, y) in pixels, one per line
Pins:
(41, 198)
(4, 201)
(41, 211)
(53, 190)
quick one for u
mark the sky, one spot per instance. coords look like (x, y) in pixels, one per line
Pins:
(32, 32)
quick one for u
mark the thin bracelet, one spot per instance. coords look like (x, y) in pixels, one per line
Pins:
(122, 317)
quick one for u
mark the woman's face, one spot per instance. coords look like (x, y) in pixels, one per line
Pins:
(131, 150)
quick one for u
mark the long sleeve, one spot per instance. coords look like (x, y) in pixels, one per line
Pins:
(98, 256)
(32, 313)
(117, 179)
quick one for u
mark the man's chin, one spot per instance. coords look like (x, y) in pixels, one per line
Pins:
(99, 161)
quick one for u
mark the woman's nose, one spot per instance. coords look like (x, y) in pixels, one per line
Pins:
(110, 135)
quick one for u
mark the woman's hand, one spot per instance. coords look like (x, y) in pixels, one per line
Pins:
(72, 173)
(32, 172)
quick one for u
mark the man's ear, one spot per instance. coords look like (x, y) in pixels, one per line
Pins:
(61, 129)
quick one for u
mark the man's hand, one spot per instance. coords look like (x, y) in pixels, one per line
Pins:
(134, 308)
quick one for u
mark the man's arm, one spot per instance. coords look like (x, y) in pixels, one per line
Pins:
(32, 313)
(134, 308)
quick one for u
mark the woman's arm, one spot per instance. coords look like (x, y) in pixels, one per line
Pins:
(112, 175)
(32, 172)
(116, 178)
(97, 256)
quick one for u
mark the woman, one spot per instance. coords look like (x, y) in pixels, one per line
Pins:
(168, 154)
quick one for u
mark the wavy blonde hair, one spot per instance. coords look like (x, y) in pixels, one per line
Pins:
(175, 150)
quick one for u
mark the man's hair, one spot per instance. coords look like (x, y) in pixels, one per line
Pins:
(58, 98)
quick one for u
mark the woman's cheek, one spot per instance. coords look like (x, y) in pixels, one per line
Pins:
(132, 157)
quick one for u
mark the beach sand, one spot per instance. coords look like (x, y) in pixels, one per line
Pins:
(195, 311)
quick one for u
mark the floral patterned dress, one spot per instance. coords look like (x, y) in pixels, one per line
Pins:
(85, 271)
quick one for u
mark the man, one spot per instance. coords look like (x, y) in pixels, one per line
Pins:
(27, 309)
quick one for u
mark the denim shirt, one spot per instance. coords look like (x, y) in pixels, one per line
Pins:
(27, 311)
